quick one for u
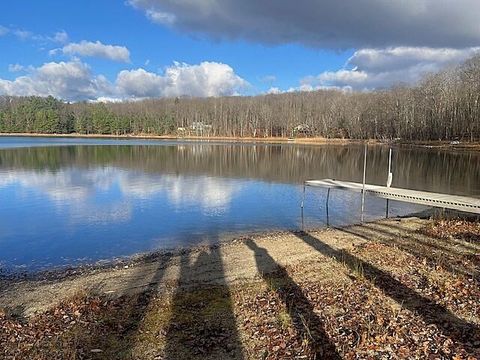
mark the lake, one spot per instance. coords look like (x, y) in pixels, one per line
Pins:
(68, 201)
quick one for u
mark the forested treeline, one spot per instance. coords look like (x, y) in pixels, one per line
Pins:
(444, 106)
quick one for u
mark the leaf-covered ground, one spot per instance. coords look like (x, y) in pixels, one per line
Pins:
(386, 290)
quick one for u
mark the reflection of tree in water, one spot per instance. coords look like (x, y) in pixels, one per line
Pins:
(413, 168)
(202, 322)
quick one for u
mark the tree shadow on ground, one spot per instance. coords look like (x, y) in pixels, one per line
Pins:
(196, 322)
(436, 251)
(149, 319)
(439, 243)
(431, 312)
(116, 331)
(203, 323)
(308, 325)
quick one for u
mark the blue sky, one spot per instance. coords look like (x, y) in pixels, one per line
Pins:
(225, 48)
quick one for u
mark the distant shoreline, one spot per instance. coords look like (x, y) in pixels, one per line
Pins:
(267, 140)
(316, 140)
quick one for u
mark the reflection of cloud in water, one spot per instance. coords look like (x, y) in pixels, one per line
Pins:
(66, 186)
(77, 189)
(72, 189)
(210, 194)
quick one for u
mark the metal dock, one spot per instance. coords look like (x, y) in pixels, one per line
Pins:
(460, 203)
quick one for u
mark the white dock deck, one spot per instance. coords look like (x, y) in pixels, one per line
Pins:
(461, 203)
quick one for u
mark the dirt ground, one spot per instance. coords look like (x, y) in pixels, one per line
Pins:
(397, 288)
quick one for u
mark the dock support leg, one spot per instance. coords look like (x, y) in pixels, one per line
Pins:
(326, 206)
(386, 210)
(302, 205)
(363, 185)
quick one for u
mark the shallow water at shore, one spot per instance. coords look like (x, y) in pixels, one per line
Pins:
(73, 201)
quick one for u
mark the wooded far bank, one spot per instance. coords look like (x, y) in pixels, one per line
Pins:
(444, 106)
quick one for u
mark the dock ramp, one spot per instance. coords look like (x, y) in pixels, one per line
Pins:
(454, 202)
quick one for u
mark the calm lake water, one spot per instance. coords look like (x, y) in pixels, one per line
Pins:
(71, 201)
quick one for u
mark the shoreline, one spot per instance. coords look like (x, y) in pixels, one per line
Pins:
(71, 272)
(316, 140)
(62, 272)
(437, 144)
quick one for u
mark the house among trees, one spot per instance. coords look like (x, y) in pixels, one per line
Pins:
(198, 128)
(302, 130)
(181, 131)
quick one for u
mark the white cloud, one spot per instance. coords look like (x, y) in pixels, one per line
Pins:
(54, 52)
(15, 67)
(325, 23)
(97, 49)
(23, 34)
(74, 81)
(366, 69)
(205, 79)
(274, 90)
(141, 83)
(404, 57)
(305, 87)
(60, 37)
(382, 68)
(106, 99)
(65, 80)
(340, 78)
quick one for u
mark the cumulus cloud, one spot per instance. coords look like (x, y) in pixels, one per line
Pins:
(65, 80)
(325, 23)
(74, 81)
(97, 49)
(381, 68)
(180, 79)
(141, 83)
